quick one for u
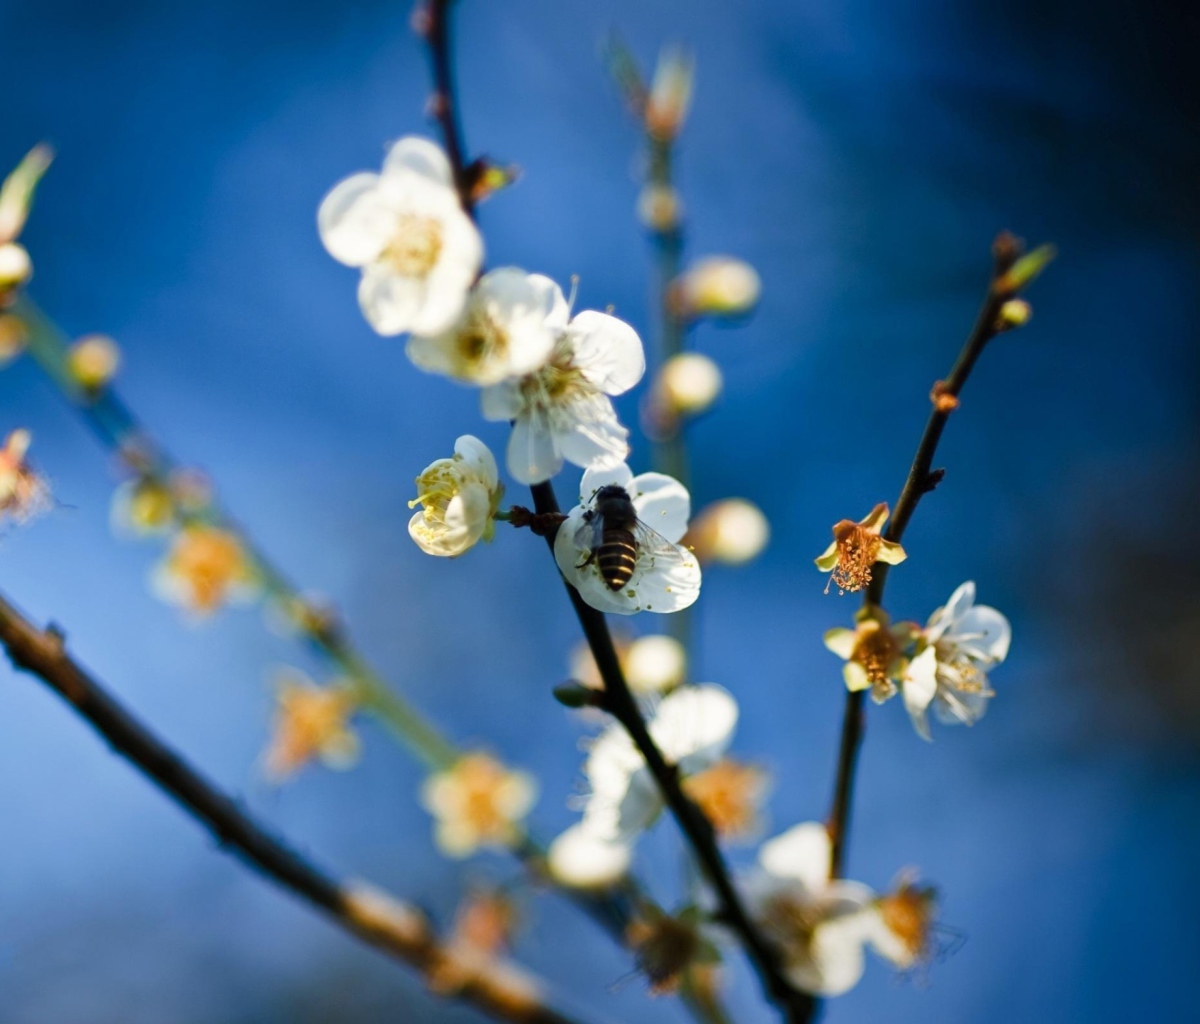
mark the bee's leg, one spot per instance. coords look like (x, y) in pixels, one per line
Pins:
(587, 561)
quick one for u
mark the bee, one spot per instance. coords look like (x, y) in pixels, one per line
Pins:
(616, 537)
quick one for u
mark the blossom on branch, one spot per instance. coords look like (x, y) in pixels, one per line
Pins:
(406, 228)
(205, 568)
(16, 201)
(820, 926)
(692, 727)
(310, 722)
(653, 664)
(856, 548)
(901, 927)
(963, 642)
(23, 492)
(477, 802)
(665, 577)
(875, 651)
(563, 410)
(731, 794)
(459, 498)
(580, 860)
(509, 327)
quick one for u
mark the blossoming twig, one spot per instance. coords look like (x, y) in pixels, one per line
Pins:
(1001, 311)
(394, 927)
(795, 1005)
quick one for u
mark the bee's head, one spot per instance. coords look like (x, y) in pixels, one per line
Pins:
(612, 492)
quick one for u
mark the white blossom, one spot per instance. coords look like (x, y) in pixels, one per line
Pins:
(459, 496)
(820, 926)
(964, 642)
(579, 860)
(509, 327)
(406, 228)
(563, 410)
(666, 577)
(692, 727)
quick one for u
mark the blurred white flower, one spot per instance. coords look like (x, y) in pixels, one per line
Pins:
(477, 802)
(876, 653)
(732, 531)
(419, 252)
(205, 568)
(687, 384)
(459, 496)
(93, 361)
(563, 410)
(310, 722)
(508, 329)
(901, 925)
(665, 577)
(965, 642)
(716, 286)
(654, 664)
(692, 726)
(820, 926)
(579, 860)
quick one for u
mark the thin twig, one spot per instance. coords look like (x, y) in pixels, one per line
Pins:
(380, 920)
(796, 1006)
(922, 478)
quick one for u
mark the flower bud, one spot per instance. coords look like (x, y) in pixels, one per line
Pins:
(1026, 270)
(732, 532)
(16, 193)
(659, 208)
(670, 93)
(654, 664)
(716, 286)
(16, 268)
(687, 385)
(141, 507)
(93, 361)
(13, 335)
(1015, 313)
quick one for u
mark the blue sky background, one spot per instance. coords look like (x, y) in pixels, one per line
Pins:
(861, 155)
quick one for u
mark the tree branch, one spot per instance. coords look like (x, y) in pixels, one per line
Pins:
(922, 478)
(393, 927)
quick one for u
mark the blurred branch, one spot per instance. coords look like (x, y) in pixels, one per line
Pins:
(1011, 271)
(389, 925)
(796, 1006)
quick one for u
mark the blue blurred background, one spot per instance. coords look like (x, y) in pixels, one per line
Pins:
(861, 155)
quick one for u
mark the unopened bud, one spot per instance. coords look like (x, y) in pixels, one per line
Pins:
(16, 193)
(93, 361)
(143, 506)
(687, 385)
(576, 695)
(485, 179)
(659, 208)
(1015, 313)
(1025, 270)
(670, 93)
(732, 531)
(655, 664)
(16, 268)
(716, 286)
(13, 335)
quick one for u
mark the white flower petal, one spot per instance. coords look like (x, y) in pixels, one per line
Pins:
(804, 853)
(596, 437)
(954, 707)
(608, 351)
(662, 503)
(594, 479)
(415, 155)
(390, 302)
(665, 581)
(919, 686)
(836, 958)
(479, 457)
(501, 402)
(982, 633)
(694, 726)
(579, 860)
(532, 457)
(355, 220)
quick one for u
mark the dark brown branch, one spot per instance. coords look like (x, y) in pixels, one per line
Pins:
(433, 21)
(796, 1006)
(922, 478)
(379, 920)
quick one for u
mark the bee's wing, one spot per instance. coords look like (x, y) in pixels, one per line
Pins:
(656, 546)
(590, 533)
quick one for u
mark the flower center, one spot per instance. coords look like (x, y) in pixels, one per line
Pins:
(857, 550)
(415, 247)
(556, 382)
(209, 560)
(728, 794)
(480, 781)
(907, 914)
(480, 341)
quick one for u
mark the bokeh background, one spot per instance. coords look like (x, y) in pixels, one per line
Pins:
(861, 155)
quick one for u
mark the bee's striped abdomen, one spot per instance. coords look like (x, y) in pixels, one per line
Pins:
(616, 557)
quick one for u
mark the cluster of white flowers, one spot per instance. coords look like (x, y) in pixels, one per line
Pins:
(945, 665)
(512, 334)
